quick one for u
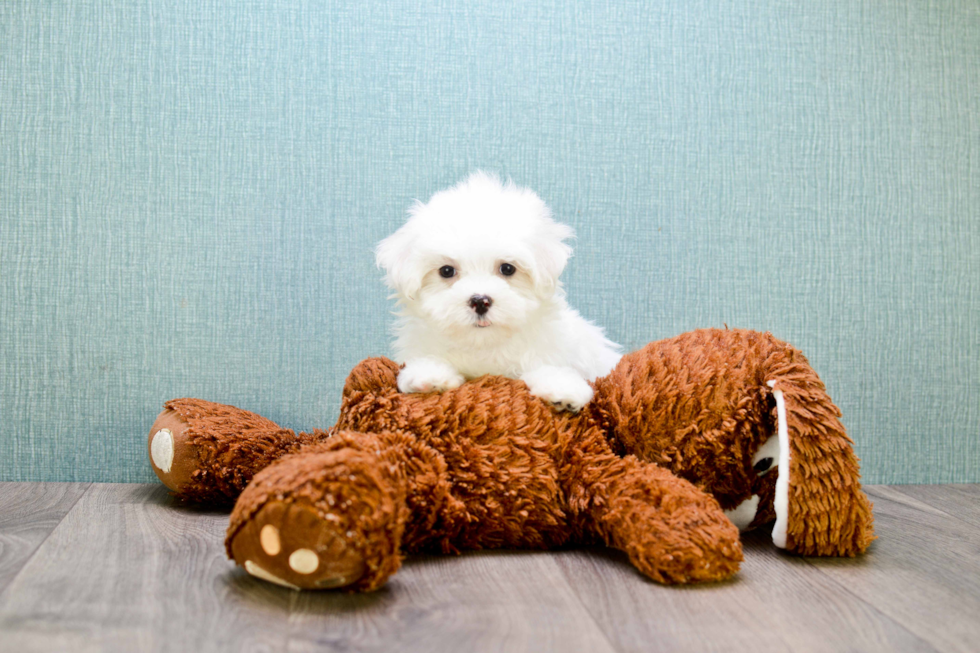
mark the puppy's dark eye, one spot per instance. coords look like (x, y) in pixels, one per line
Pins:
(447, 272)
(763, 465)
(507, 269)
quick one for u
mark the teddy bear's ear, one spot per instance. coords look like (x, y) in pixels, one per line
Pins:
(820, 507)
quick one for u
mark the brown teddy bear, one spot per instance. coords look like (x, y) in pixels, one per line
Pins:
(685, 442)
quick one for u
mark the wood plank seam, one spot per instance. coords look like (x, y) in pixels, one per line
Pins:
(13, 579)
(585, 609)
(926, 646)
(957, 517)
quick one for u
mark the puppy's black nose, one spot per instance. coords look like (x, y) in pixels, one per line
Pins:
(481, 304)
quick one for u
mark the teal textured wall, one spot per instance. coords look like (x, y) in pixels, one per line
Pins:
(190, 191)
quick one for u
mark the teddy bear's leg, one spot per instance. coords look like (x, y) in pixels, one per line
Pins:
(208, 452)
(318, 520)
(672, 531)
(338, 513)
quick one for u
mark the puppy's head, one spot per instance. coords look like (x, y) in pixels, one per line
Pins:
(482, 255)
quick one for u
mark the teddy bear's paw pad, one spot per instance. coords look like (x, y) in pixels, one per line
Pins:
(162, 450)
(293, 546)
(259, 572)
(173, 458)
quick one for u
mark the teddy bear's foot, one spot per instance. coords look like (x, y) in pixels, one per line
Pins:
(330, 516)
(208, 452)
(290, 544)
(173, 456)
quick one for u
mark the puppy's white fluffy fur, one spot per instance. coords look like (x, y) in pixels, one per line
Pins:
(501, 244)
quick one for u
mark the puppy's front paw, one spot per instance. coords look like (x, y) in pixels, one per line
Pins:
(562, 386)
(428, 375)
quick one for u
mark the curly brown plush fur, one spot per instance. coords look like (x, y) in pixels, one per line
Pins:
(648, 467)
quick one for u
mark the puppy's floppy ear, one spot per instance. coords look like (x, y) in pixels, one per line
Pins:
(395, 256)
(550, 253)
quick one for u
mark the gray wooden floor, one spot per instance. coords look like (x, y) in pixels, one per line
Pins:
(94, 567)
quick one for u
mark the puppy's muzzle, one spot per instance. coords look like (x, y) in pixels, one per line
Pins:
(481, 304)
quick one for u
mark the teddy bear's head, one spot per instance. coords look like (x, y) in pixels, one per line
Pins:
(744, 417)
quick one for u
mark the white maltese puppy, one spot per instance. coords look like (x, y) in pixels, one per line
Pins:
(475, 272)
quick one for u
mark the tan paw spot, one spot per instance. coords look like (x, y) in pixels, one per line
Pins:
(259, 572)
(162, 450)
(269, 538)
(303, 561)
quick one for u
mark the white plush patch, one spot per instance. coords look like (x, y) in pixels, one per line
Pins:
(259, 572)
(743, 514)
(304, 561)
(162, 450)
(269, 539)
(781, 501)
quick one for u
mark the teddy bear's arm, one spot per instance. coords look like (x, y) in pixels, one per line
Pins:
(705, 403)
(672, 531)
